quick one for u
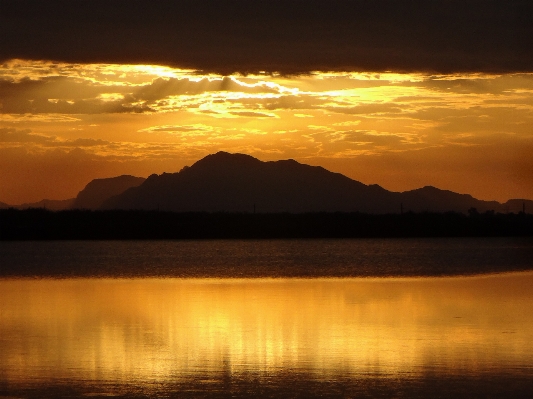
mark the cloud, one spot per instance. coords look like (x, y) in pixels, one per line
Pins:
(87, 95)
(40, 118)
(161, 88)
(288, 36)
(11, 135)
(199, 127)
(251, 114)
(63, 95)
(83, 142)
(369, 109)
(184, 131)
(294, 102)
(23, 137)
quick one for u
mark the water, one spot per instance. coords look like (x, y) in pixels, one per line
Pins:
(319, 319)
(266, 258)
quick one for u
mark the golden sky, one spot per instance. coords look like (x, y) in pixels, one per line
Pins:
(64, 124)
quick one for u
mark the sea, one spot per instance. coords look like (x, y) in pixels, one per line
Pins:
(338, 318)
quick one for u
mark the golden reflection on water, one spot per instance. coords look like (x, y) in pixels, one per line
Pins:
(170, 329)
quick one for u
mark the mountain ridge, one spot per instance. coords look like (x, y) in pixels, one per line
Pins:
(97, 191)
(51, 205)
(224, 182)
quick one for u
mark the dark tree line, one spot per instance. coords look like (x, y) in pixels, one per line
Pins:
(41, 224)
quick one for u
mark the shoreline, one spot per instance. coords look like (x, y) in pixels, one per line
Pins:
(42, 224)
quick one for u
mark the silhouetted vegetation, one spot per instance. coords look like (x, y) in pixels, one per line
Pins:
(41, 224)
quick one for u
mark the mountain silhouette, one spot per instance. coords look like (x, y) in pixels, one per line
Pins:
(99, 190)
(432, 199)
(51, 205)
(224, 182)
(518, 205)
(91, 197)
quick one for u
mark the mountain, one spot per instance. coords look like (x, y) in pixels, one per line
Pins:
(52, 205)
(224, 182)
(238, 183)
(432, 199)
(518, 205)
(98, 190)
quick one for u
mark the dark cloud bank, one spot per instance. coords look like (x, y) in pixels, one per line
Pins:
(289, 36)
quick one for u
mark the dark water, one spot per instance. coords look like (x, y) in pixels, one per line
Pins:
(266, 258)
(453, 318)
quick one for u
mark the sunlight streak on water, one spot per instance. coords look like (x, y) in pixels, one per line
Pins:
(147, 333)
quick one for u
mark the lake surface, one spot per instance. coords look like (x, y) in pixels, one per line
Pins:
(319, 318)
(266, 258)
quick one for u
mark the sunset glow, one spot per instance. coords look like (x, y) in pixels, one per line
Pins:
(266, 199)
(62, 125)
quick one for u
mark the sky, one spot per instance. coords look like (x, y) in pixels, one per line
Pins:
(391, 92)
